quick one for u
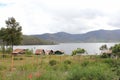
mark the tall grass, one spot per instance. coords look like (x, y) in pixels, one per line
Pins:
(60, 68)
(91, 72)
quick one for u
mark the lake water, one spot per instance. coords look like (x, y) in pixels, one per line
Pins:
(91, 48)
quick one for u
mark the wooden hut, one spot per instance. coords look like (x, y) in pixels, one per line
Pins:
(40, 52)
(49, 52)
(108, 53)
(18, 51)
(58, 52)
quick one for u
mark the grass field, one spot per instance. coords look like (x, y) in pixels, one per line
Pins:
(56, 67)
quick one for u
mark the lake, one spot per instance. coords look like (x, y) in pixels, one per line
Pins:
(91, 48)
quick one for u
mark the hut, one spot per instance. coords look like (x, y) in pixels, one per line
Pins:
(107, 53)
(49, 52)
(18, 51)
(40, 52)
(58, 52)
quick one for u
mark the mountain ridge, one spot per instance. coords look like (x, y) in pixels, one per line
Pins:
(92, 36)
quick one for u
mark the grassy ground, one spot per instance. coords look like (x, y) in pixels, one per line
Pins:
(59, 68)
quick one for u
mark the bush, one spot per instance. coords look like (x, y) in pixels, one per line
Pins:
(78, 51)
(16, 58)
(114, 65)
(67, 62)
(104, 55)
(110, 62)
(116, 50)
(28, 52)
(52, 62)
(91, 73)
(20, 58)
(85, 63)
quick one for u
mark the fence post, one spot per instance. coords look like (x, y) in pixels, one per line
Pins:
(12, 62)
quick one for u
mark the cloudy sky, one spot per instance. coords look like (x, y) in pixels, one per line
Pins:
(72, 16)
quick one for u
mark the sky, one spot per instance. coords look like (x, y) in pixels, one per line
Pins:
(51, 16)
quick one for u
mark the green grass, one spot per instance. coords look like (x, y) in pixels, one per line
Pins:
(59, 68)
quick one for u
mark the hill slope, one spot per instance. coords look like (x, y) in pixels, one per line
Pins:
(32, 40)
(93, 36)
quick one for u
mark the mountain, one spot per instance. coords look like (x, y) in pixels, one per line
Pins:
(92, 36)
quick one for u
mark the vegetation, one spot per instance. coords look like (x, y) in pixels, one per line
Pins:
(78, 51)
(103, 48)
(55, 67)
(13, 32)
(11, 35)
(52, 62)
(3, 40)
(116, 50)
(31, 40)
(28, 52)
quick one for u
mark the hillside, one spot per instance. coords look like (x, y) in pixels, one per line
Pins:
(92, 36)
(32, 40)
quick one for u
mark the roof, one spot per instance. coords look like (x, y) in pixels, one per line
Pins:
(108, 51)
(16, 51)
(39, 51)
(59, 52)
(49, 52)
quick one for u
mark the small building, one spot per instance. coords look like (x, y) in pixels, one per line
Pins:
(58, 52)
(18, 51)
(49, 52)
(40, 52)
(108, 53)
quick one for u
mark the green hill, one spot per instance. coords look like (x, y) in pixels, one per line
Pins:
(31, 40)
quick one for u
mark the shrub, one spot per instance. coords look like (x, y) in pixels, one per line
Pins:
(52, 62)
(67, 62)
(16, 58)
(116, 50)
(20, 58)
(109, 61)
(28, 52)
(85, 63)
(114, 65)
(78, 51)
(90, 73)
(104, 55)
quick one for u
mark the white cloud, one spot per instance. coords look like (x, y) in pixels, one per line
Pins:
(73, 16)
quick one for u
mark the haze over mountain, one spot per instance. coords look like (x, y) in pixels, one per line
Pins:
(92, 36)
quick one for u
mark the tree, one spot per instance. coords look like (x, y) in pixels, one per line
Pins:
(116, 50)
(3, 39)
(103, 48)
(13, 32)
(78, 51)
